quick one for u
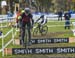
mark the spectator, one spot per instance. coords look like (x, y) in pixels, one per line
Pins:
(9, 14)
(67, 17)
(60, 15)
(18, 22)
(18, 14)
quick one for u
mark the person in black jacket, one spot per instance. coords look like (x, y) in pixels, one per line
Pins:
(67, 17)
(60, 15)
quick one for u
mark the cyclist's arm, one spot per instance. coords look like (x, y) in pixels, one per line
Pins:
(40, 18)
(31, 19)
(37, 19)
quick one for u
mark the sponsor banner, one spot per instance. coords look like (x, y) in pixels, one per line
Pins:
(56, 50)
(50, 40)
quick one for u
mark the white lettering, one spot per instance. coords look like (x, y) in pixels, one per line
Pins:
(44, 41)
(23, 51)
(65, 50)
(29, 51)
(44, 51)
(19, 51)
(60, 40)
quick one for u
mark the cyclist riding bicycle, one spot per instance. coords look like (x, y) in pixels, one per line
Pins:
(41, 21)
(26, 19)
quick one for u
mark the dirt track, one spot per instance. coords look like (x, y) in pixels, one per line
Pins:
(52, 34)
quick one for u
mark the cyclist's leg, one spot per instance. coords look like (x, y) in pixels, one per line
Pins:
(39, 26)
(29, 32)
(22, 33)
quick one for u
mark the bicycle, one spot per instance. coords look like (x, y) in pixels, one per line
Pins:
(43, 30)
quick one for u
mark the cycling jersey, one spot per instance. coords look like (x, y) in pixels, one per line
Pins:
(42, 20)
(26, 18)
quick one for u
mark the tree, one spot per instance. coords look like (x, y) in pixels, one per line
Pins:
(44, 5)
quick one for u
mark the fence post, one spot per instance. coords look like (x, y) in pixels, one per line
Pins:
(1, 26)
(13, 35)
(2, 45)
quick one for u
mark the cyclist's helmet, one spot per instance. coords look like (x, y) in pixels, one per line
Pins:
(27, 10)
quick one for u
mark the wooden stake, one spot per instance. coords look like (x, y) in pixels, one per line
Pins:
(71, 39)
(8, 51)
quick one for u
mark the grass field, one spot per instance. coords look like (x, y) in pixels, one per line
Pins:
(56, 31)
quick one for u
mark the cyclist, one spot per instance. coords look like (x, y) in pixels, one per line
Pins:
(41, 21)
(26, 19)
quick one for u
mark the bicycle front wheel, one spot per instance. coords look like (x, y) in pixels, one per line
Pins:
(44, 30)
(35, 32)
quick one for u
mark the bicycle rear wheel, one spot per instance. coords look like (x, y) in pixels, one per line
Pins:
(44, 30)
